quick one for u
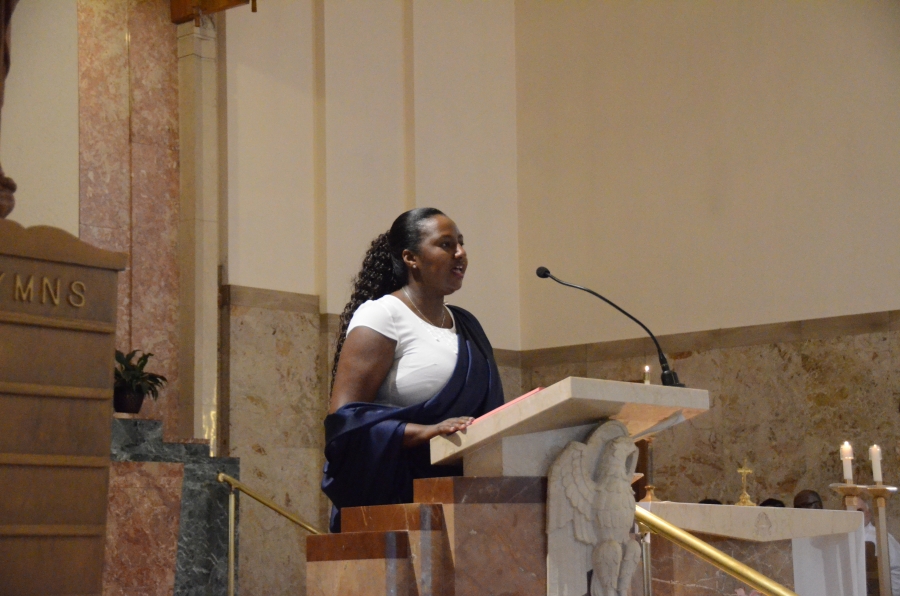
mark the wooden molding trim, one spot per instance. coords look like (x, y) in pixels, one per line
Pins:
(330, 321)
(507, 357)
(56, 461)
(268, 299)
(55, 391)
(810, 329)
(42, 530)
(17, 318)
(52, 244)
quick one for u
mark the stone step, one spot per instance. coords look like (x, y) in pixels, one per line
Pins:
(360, 563)
(464, 537)
(428, 542)
(385, 518)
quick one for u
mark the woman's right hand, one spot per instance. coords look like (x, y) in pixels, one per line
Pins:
(419, 434)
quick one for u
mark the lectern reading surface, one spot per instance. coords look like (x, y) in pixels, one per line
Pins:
(536, 427)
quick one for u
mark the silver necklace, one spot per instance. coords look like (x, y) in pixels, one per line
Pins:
(443, 311)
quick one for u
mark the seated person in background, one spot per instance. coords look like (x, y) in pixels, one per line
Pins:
(710, 502)
(772, 503)
(808, 499)
(893, 547)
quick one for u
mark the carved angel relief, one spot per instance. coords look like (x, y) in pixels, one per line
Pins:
(590, 505)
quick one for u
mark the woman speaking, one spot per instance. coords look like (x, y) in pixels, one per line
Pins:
(407, 367)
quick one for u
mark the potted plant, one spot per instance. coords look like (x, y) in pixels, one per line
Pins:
(133, 384)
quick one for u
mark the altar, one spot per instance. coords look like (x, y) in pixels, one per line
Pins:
(814, 552)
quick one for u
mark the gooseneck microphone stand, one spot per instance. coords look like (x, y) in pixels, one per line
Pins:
(669, 376)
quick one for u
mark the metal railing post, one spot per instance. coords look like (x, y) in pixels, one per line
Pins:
(231, 541)
(234, 486)
(648, 572)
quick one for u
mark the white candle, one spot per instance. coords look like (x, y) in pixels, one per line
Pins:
(847, 460)
(846, 450)
(647, 375)
(875, 456)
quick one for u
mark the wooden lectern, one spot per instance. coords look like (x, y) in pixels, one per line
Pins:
(57, 347)
(485, 532)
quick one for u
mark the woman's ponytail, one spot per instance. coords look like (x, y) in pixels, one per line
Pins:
(374, 280)
(383, 270)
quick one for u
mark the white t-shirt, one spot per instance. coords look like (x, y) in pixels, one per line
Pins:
(424, 357)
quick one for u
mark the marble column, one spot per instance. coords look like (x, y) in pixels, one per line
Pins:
(129, 172)
(198, 229)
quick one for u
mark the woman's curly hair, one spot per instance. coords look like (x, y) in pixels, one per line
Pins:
(383, 270)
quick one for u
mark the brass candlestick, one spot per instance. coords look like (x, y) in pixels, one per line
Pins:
(649, 488)
(744, 500)
(849, 494)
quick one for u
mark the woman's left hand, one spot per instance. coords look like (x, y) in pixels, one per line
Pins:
(418, 434)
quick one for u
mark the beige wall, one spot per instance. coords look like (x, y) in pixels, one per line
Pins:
(40, 115)
(465, 119)
(419, 109)
(706, 164)
(364, 135)
(269, 78)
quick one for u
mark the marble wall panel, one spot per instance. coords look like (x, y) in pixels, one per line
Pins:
(546, 375)
(276, 411)
(273, 551)
(142, 528)
(511, 378)
(784, 407)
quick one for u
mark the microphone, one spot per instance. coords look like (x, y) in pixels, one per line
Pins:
(669, 376)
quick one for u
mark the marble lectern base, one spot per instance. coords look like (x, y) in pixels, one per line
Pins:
(464, 536)
(482, 536)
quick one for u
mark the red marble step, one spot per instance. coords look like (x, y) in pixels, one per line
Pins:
(386, 518)
(357, 545)
(471, 490)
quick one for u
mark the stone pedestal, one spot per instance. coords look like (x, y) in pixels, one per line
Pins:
(462, 537)
(175, 529)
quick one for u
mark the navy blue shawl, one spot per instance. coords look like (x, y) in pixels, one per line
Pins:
(365, 462)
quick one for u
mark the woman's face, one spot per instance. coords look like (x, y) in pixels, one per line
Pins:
(441, 261)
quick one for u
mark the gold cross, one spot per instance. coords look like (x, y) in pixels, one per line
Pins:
(743, 471)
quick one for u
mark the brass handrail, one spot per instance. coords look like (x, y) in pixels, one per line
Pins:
(237, 485)
(710, 554)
